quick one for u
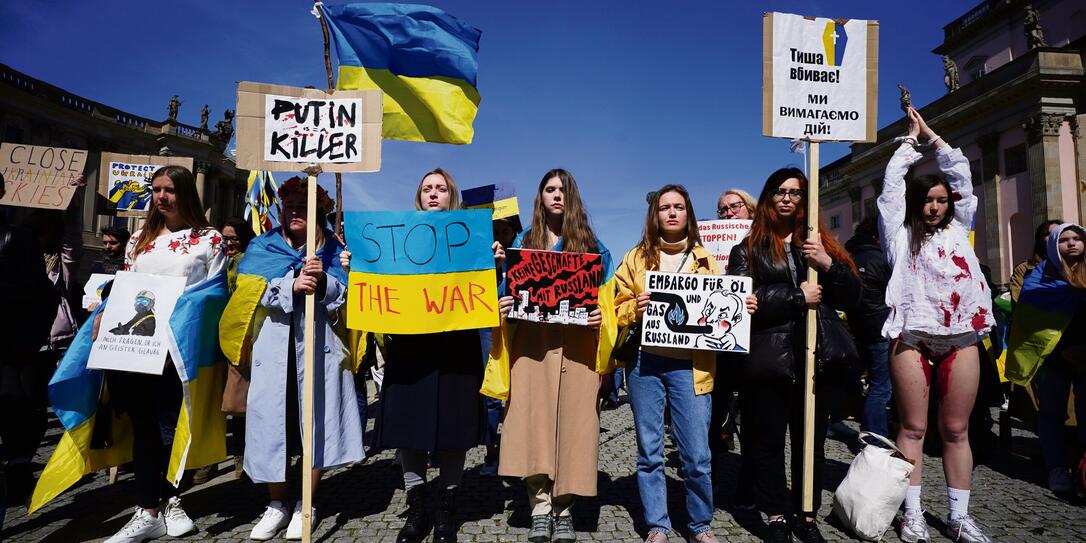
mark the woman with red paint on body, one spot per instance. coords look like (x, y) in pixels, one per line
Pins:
(939, 307)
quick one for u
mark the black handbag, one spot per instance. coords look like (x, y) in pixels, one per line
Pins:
(835, 347)
(631, 344)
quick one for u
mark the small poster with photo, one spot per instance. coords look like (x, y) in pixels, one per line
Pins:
(693, 311)
(92, 291)
(134, 333)
(553, 286)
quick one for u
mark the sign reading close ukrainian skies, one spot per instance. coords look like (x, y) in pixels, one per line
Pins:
(420, 272)
(819, 78)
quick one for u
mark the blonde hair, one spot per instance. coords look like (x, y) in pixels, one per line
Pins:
(748, 201)
(454, 194)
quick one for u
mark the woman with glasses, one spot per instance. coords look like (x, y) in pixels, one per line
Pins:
(776, 255)
(735, 204)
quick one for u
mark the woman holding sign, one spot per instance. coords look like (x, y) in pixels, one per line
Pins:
(663, 376)
(552, 424)
(939, 306)
(776, 256)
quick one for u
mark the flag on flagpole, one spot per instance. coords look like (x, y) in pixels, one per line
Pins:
(262, 202)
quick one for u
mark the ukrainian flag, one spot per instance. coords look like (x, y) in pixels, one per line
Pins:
(423, 59)
(74, 392)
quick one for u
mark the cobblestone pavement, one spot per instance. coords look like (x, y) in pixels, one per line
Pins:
(364, 502)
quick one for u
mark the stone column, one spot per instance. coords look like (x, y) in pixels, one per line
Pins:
(1078, 135)
(1042, 135)
(995, 222)
(201, 182)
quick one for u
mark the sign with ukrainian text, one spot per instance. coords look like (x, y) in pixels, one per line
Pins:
(40, 177)
(694, 311)
(720, 236)
(553, 286)
(819, 78)
(421, 272)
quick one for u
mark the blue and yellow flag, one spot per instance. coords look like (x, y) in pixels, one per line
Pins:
(423, 59)
(262, 202)
(74, 392)
(268, 256)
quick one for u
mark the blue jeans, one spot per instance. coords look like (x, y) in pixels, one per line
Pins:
(876, 358)
(1054, 381)
(653, 382)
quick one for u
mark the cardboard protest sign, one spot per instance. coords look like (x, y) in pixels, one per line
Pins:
(720, 236)
(284, 128)
(500, 198)
(420, 272)
(92, 291)
(135, 331)
(692, 311)
(551, 286)
(125, 180)
(819, 78)
(40, 177)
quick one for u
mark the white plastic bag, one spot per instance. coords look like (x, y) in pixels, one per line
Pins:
(873, 489)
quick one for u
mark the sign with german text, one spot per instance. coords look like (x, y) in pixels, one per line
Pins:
(819, 78)
(125, 180)
(693, 311)
(720, 236)
(40, 177)
(420, 272)
(135, 332)
(286, 128)
(553, 286)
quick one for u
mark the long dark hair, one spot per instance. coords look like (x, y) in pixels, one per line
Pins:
(242, 228)
(762, 236)
(577, 235)
(650, 236)
(1040, 240)
(916, 195)
(186, 199)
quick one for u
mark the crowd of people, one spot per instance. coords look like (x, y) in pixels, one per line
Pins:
(905, 302)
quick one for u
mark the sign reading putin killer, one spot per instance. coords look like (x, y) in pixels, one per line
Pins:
(421, 272)
(693, 311)
(40, 177)
(819, 78)
(553, 286)
(286, 128)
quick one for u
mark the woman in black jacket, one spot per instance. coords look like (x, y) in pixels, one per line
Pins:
(776, 256)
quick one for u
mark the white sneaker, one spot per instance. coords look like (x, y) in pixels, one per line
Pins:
(964, 528)
(275, 518)
(294, 530)
(178, 522)
(140, 527)
(914, 529)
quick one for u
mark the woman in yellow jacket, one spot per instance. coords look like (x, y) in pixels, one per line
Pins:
(659, 376)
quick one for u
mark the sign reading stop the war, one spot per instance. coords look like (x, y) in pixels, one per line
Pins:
(41, 177)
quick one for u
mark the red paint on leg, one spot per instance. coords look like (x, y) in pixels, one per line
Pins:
(945, 367)
(925, 365)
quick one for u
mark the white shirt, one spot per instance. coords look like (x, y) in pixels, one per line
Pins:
(195, 254)
(940, 290)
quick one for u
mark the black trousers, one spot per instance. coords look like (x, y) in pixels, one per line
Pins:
(24, 381)
(153, 403)
(769, 410)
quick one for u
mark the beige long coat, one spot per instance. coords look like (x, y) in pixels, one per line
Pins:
(552, 420)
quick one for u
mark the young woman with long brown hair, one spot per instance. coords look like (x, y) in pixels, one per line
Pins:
(776, 255)
(552, 426)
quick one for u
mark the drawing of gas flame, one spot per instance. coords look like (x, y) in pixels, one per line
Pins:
(676, 315)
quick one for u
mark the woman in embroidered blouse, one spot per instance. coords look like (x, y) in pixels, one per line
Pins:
(176, 240)
(939, 305)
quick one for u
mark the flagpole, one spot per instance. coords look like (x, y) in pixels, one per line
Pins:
(331, 86)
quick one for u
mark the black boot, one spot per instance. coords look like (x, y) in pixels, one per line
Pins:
(417, 524)
(445, 526)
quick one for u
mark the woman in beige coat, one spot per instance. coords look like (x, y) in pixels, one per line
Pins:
(552, 421)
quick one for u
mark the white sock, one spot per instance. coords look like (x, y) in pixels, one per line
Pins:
(276, 504)
(959, 502)
(912, 499)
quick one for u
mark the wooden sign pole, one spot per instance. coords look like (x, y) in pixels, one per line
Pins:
(812, 336)
(307, 373)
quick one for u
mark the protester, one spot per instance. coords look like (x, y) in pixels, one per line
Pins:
(938, 305)
(735, 204)
(506, 231)
(1048, 347)
(551, 432)
(776, 256)
(866, 322)
(175, 240)
(1040, 253)
(114, 240)
(681, 379)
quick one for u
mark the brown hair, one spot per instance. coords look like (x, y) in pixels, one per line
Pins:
(577, 235)
(187, 202)
(761, 236)
(454, 194)
(1075, 272)
(649, 246)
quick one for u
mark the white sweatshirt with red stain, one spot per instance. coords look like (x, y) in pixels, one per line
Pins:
(939, 291)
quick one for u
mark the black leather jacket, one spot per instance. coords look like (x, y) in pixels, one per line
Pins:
(870, 314)
(778, 328)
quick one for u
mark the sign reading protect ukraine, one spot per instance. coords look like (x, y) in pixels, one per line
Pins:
(421, 272)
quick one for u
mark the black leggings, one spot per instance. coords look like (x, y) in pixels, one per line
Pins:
(153, 403)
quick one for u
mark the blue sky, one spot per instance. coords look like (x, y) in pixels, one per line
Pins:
(627, 95)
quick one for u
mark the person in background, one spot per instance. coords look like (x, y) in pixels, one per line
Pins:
(735, 204)
(866, 322)
(114, 240)
(1040, 253)
(236, 235)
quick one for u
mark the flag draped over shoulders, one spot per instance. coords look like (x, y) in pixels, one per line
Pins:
(423, 59)
(75, 393)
